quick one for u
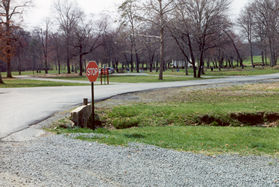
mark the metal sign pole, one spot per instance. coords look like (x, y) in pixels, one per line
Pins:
(93, 107)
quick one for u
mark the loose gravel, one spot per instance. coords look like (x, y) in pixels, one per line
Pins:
(59, 160)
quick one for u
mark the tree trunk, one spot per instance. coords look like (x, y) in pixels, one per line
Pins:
(131, 62)
(68, 56)
(19, 64)
(80, 65)
(236, 50)
(195, 70)
(263, 58)
(192, 55)
(46, 66)
(59, 67)
(161, 53)
(200, 71)
(80, 61)
(272, 53)
(186, 68)
(9, 68)
(150, 67)
(1, 80)
(251, 54)
(138, 62)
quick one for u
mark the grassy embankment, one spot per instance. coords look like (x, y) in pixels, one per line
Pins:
(190, 121)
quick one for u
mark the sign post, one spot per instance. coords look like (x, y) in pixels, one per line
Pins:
(92, 73)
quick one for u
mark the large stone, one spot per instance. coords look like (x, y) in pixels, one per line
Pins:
(80, 115)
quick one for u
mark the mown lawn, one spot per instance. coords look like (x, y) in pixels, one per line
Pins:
(17, 83)
(202, 139)
(247, 71)
(134, 79)
(185, 107)
(173, 121)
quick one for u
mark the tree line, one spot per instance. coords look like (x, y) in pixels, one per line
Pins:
(148, 35)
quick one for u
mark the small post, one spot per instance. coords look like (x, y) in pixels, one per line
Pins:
(104, 70)
(85, 101)
(101, 77)
(107, 76)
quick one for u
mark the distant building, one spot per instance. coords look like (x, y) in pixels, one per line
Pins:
(180, 64)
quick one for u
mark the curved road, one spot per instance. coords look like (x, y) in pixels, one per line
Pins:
(22, 107)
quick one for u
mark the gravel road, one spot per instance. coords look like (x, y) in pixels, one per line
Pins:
(58, 160)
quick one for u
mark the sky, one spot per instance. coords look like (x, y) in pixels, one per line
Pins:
(41, 9)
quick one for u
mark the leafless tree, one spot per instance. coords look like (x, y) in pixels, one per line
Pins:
(57, 42)
(266, 13)
(129, 19)
(10, 10)
(157, 12)
(68, 17)
(44, 34)
(246, 21)
(197, 26)
(87, 39)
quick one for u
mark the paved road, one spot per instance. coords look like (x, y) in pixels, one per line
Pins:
(22, 107)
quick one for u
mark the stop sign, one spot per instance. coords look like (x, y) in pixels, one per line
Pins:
(92, 71)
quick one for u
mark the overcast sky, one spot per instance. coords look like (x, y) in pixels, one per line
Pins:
(44, 8)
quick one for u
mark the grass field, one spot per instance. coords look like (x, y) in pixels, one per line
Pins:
(133, 79)
(248, 71)
(17, 83)
(174, 121)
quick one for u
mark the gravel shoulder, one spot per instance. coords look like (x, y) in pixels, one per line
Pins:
(59, 160)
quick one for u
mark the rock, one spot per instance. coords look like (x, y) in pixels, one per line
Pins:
(81, 115)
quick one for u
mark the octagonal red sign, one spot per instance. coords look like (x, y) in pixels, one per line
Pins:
(92, 71)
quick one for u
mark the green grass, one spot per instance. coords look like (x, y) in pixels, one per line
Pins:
(172, 122)
(185, 107)
(247, 71)
(15, 73)
(17, 83)
(257, 59)
(211, 140)
(133, 79)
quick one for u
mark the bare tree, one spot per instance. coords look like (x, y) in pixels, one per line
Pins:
(87, 39)
(44, 37)
(68, 17)
(197, 26)
(9, 11)
(57, 42)
(157, 12)
(246, 22)
(129, 17)
(266, 13)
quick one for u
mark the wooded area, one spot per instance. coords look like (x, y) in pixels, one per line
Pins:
(149, 35)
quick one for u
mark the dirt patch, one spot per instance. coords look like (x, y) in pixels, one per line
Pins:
(211, 120)
(241, 119)
(249, 118)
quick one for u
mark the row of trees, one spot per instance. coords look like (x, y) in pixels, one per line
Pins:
(148, 35)
(259, 24)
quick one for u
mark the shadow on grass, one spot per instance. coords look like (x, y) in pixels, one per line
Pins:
(136, 136)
